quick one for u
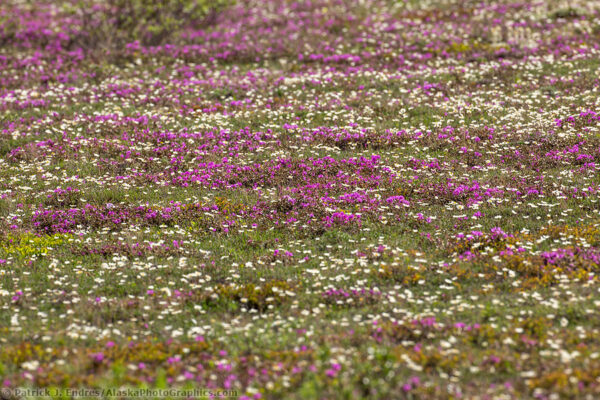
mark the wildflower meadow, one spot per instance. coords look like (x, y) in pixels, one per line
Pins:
(301, 199)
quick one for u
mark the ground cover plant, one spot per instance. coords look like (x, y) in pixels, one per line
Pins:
(301, 199)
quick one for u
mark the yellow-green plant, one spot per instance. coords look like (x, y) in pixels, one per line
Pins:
(28, 244)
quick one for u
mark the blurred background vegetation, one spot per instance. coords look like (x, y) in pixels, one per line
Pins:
(114, 23)
(104, 24)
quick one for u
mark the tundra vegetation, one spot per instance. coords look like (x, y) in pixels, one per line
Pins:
(301, 199)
